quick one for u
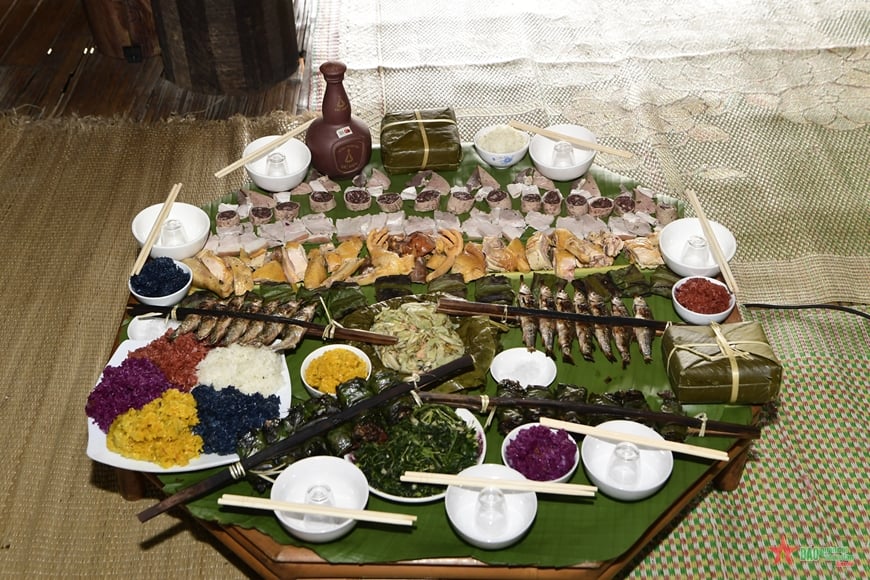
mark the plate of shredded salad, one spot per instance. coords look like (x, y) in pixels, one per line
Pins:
(198, 423)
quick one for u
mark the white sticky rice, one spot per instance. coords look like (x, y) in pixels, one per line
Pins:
(250, 369)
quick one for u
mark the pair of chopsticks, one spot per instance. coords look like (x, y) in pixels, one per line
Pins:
(664, 444)
(572, 140)
(244, 501)
(718, 255)
(257, 153)
(504, 484)
(155, 230)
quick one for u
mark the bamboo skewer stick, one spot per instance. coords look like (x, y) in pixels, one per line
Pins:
(572, 140)
(155, 230)
(338, 332)
(464, 307)
(712, 240)
(711, 428)
(257, 153)
(505, 484)
(664, 444)
(258, 503)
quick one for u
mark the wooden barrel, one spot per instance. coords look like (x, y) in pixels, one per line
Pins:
(227, 46)
(122, 28)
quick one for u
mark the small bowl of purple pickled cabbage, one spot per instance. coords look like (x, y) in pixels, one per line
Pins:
(541, 453)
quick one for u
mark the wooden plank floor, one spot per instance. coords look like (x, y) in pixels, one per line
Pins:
(49, 67)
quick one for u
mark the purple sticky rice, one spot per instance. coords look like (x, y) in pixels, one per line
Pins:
(131, 385)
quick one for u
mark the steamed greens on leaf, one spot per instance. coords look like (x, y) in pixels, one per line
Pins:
(433, 438)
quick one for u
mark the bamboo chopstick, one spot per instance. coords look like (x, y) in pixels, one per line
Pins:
(664, 444)
(507, 484)
(572, 140)
(257, 153)
(712, 240)
(302, 508)
(155, 230)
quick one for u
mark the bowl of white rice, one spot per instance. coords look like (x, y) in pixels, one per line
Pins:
(501, 145)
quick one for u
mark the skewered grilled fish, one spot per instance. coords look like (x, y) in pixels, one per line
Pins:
(583, 329)
(643, 334)
(527, 323)
(621, 334)
(547, 326)
(564, 331)
(603, 334)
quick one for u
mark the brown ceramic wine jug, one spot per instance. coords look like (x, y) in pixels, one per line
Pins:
(340, 143)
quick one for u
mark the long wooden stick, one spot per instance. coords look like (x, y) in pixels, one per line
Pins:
(155, 230)
(237, 470)
(721, 260)
(711, 428)
(260, 503)
(684, 448)
(260, 151)
(506, 484)
(572, 140)
(457, 306)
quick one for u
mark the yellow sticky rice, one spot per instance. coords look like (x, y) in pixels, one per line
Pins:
(334, 367)
(159, 432)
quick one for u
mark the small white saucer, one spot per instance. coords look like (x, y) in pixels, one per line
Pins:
(527, 367)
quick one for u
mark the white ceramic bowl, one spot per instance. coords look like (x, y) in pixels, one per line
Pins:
(346, 482)
(541, 150)
(297, 158)
(571, 464)
(524, 366)
(313, 390)
(673, 244)
(170, 299)
(699, 318)
(461, 504)
(654, 465)
(194, 221)
(501, 157)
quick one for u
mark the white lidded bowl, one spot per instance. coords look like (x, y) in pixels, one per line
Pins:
(195, 225)
(675, 249)
(654, 466)
(510, 440)
(527, 367)
(169, 299)
(462, 505)
(348, 487)
(701, 318)
(542, 149)
(313, 390)
(501, 145)
(297, 158)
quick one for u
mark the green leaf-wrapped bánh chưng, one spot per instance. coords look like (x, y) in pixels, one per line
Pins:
(422, 139)
(728, 363)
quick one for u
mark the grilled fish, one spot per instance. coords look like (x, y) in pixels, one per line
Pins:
(251, 304)
(291, 334)
(583, 329)
(527, 323)
(564, 331)
(643, 334)
(598, 307)
(547, 326)
(621, 334)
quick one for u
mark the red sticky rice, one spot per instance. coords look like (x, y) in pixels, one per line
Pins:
(177, 358)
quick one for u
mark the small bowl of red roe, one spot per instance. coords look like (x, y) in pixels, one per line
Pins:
(701, 300)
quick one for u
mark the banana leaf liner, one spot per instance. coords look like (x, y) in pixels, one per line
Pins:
(479, 334)
(728, 363)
